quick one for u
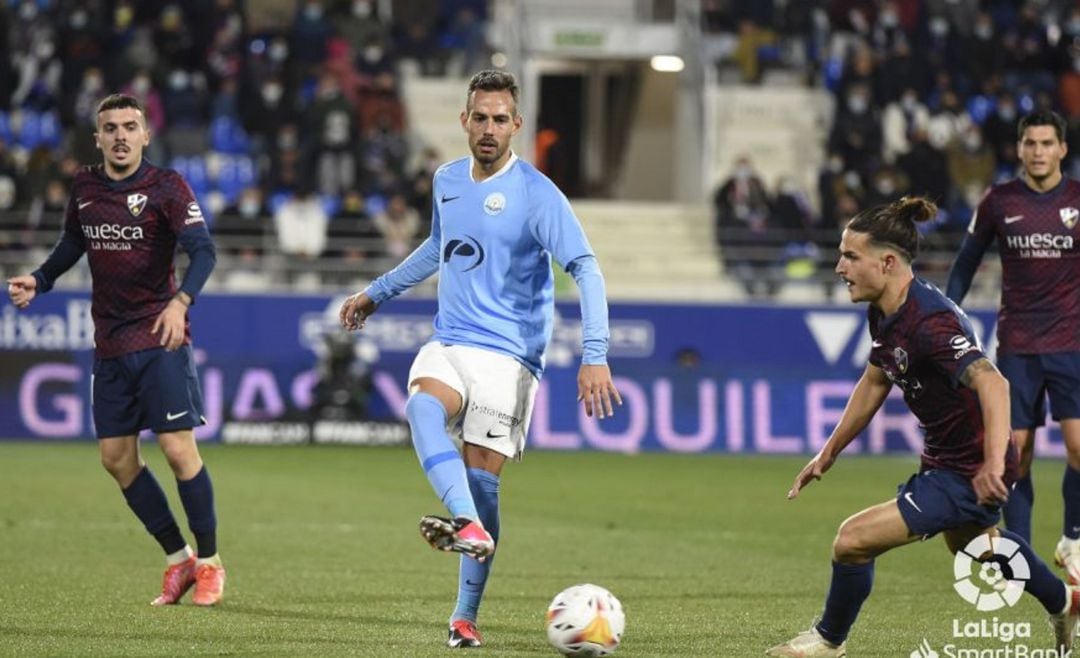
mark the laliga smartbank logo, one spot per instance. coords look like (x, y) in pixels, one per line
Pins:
(990, 573)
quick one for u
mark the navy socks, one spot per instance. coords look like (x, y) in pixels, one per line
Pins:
(145, 497)
(197, 496)
(851, 584)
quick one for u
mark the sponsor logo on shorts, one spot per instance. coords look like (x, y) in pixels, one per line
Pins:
(503, 418)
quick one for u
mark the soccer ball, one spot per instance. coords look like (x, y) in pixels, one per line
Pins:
(585, 620)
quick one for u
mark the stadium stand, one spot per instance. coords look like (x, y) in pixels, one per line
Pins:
(349, 98)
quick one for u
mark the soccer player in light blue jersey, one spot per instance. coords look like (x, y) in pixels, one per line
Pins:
(496, 224)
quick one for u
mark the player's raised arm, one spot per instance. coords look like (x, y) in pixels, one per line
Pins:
(993, 391)
(869, 394)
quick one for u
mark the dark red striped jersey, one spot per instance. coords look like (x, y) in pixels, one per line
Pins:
(923, 349)
(1037, 236)
(129, 231)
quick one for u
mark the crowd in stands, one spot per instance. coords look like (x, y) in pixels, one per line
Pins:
(927, 98)
(285, 116)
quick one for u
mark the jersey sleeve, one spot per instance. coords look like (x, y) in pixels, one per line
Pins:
(554, 224)
(181, 209)
(67, 251)
(982, 228)
(943, 340)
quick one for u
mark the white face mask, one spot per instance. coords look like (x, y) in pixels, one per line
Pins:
(984, 31)
(140, 85)
(313, 12)
(272, 92)
(286, 141)
(44, 49)
(857, 104)
(179, 80)
(249, 208)
(939, 26)
(361, 9)
(278, 51)
(373, 54)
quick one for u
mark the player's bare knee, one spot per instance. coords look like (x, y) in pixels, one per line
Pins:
(122, 465)
(182, 454)
(853, 543)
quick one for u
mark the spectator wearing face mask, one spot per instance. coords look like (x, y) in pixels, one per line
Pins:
(900, 119)
(999, 129)
(142, 88)
(856, 133)
(983, 55)
(358, 23)
(310, 32)
(332, 125)
(265, 110)
(186, 100)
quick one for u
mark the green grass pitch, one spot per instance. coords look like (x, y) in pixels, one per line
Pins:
(324, 557)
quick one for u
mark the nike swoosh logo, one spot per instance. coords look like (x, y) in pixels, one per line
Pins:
(909, 498)
(471, 583)
(495, 436)
(448, 199)
(876, 343)
(83, 204)
(171, 417)
(1013, 218)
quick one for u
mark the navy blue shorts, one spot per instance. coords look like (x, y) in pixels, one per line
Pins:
(938, 500)
(151, 388)
(1032, 376)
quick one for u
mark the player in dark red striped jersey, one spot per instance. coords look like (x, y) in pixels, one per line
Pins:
(127, 216)
(1034, 221)
(925, 345)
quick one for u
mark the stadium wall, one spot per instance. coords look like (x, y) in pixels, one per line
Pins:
(694, 378)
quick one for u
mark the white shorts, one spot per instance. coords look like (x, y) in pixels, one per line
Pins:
(496, 391)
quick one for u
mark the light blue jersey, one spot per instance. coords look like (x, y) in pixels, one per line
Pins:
(492, 243)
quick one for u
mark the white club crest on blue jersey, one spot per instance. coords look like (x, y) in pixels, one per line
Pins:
(494, 203)
(136, 203)
(1069, 216)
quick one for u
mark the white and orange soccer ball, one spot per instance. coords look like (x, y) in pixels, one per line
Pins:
(585, 620)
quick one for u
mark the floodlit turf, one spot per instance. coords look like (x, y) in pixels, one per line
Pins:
(324, 557)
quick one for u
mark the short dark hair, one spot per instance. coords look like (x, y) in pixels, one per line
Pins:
(493, 80)
(893, 224)
(1042, 118)
(120, 102)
